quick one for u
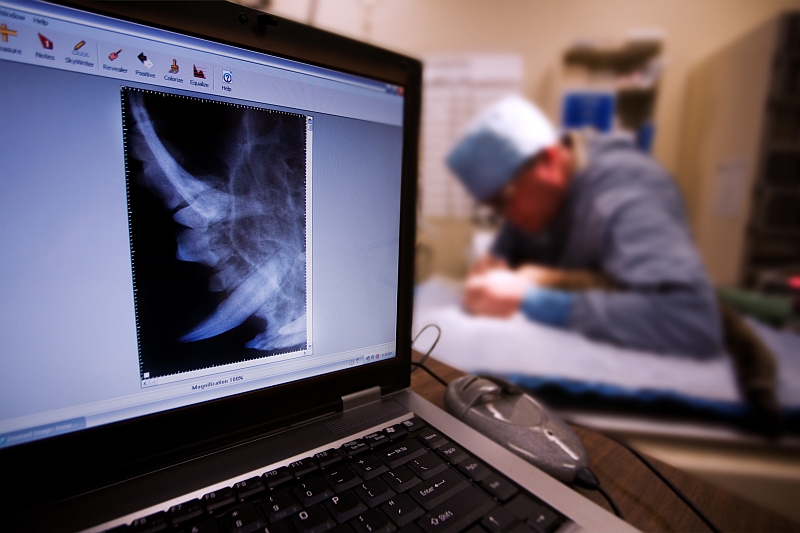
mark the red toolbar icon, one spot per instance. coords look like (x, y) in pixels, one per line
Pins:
(46, 43)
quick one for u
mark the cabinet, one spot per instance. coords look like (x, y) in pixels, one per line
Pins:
(740, 155)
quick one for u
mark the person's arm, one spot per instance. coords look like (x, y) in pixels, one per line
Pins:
(566, 280)
(665, 302)
(678, 322)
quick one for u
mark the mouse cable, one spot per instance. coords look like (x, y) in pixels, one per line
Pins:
(428, 353)
(430, 372)
(678, 492)
(588, 480)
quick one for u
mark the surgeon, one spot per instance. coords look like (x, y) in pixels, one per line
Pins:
(595, 238)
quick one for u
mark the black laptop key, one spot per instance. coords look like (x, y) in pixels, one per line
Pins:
(473, 468)
(345, 506)
(249, 487)
(342, 478)
(500, 487)
(452, 453)
(243, 519)
(439, 488)
(312, 490)
(373, 521)
(427, 465)
(411, 528)
(431, 438)
(218, 498)
(341, 528)
(401, 452)
(374, 492)
(401, 479)
(527, 509)
(327, 458)
(475, 529)
(315, 519)
(150, 524)
(402, 509)
(520, 527)
(457, 513)
(413, 424)
(182, 512)
(278, 476)
(284, 526)
(498, 520)
(376, 439)
(206, 526)
(369, 466)
(544, 520)
(355, 448)
(279, 505)
(305, 466)
(396, 431)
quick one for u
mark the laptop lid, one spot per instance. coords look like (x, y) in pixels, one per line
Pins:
(207, 232)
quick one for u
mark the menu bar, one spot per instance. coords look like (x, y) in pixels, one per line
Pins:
(48, 41)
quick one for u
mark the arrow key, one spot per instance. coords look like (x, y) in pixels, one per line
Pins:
(498, 520)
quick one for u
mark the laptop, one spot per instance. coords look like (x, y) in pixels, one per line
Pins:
(207, 220)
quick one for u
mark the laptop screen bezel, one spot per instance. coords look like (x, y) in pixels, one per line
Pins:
(88, 459)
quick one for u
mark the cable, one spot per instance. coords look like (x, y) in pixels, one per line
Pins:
(430, 372)
(428, 353)
(588, 480)
(666, 481)
(610, 501)
(669, 484)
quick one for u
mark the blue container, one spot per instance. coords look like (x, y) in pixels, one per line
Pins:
(644, 137)
(593, 109)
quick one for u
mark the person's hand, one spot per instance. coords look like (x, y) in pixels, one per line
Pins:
(486, 263)
(495, 293)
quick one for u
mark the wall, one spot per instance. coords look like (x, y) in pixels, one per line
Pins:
(542, 29)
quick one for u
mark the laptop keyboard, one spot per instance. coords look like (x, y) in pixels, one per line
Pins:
(407, 478)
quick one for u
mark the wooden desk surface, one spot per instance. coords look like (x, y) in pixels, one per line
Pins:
(644, 500)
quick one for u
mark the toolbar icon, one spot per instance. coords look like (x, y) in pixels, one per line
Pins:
(47, 44)
(146, 62)
(114, 55)
(227, 76)
(6, 32)
(79, 46)
(199, 72)
(174, 68)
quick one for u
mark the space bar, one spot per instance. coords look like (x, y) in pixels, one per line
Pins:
(457, 513)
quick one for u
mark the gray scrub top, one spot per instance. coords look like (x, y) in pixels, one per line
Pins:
(624, 216)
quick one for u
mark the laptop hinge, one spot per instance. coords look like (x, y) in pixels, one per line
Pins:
(362, 397)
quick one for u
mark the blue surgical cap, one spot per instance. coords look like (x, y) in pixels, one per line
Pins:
(497, 143)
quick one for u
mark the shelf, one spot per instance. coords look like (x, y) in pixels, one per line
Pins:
(626, 57)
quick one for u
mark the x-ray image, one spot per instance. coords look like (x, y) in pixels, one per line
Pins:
(217, 210)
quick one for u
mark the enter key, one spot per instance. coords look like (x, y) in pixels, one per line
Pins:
(439, 488)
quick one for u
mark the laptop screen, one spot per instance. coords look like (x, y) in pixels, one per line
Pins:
(182, 220)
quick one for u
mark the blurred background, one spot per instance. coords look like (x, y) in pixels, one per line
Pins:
(710, 89)
(658, 62)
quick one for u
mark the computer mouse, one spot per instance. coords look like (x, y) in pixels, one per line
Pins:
(506, 414)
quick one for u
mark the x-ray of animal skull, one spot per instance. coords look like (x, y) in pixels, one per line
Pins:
(217, 211)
